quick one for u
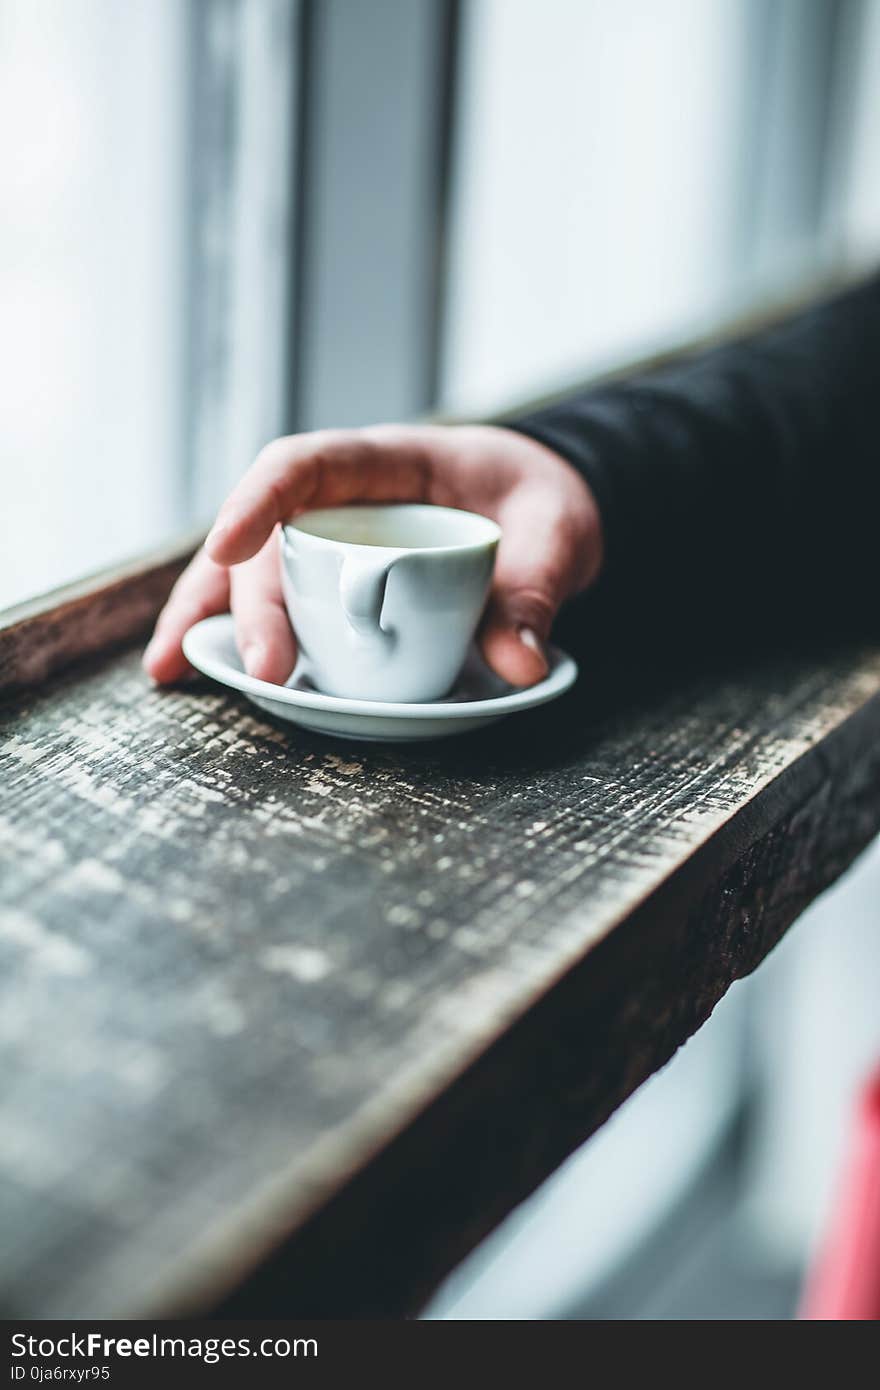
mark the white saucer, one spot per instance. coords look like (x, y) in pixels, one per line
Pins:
(478, 698)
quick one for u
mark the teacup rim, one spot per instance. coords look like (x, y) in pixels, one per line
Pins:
(491, 539)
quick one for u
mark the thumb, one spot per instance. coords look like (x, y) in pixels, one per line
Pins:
(544, 555)
(551, 547)
(514, 631)
(531, 579)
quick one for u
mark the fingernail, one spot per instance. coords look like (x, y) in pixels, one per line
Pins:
(531, 639)
(216, 533)
(252, 656)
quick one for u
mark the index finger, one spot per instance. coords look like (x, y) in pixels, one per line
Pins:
(200, 592)
(326, 468)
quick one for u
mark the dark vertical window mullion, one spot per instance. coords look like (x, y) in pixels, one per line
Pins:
(849, 34)
(300, 177)
(449, 66)
(792, 109)
(211, 140)
(372, 176)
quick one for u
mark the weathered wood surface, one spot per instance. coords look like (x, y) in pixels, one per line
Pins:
(91, 615)
(261, 991)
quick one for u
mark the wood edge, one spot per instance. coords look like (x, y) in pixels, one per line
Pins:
(231, 1277)
(44, 634)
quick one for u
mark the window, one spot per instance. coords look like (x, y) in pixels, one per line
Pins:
(92, 248)
(221, 219)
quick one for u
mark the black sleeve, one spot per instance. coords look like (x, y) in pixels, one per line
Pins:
(741, 483)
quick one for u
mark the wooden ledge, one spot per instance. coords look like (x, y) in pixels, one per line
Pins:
(289, 1024)
(94, 614)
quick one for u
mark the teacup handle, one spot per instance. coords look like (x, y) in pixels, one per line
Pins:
(362, 593)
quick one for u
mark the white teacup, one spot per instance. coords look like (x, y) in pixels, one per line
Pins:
(384, 600)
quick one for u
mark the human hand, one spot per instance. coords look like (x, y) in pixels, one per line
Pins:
(551, 545)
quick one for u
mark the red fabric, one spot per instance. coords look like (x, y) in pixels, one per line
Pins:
(845, 1284)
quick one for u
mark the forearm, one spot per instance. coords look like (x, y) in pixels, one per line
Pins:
(748, 473)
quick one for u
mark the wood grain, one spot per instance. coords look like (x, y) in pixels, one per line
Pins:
(94, 614)
(288, 1024)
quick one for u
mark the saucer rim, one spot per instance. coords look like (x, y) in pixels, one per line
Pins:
(560, 678)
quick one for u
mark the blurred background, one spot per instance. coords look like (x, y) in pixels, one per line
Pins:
(225, 219)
